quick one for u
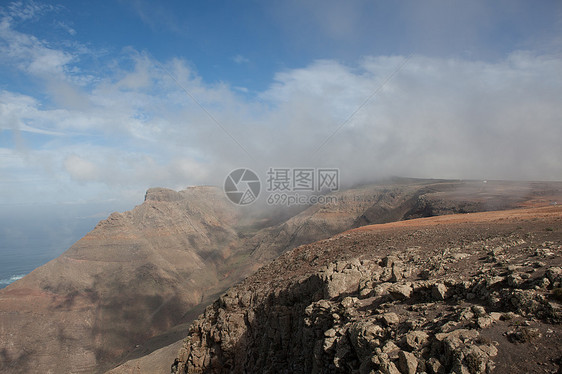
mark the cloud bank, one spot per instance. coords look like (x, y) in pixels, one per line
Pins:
(139, 122)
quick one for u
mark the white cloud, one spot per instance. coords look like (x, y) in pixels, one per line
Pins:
(132, 128)
(18, 10)
(239, 59)
(80, 169)
(436, 118)
(66, 27)
(17, 112)
(157, 17)
(29, 53)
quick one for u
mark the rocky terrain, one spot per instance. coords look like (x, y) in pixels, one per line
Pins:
(131, 286)
(471, 293)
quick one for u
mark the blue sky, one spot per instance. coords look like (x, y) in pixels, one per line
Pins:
(101, 100)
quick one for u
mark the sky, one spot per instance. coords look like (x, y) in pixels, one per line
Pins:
(101, 100)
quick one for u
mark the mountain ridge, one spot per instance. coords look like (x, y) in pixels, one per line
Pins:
(140, 273)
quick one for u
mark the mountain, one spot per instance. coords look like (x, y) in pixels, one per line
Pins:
(133, 284)
(136, 274)
(472, 293)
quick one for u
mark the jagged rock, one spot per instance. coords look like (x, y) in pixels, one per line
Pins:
(542, 283)
(330, 333)
(448, 326)
(415, 323)
(466, 314)
(328, 344)
(461, 334)
(475, 360)
(434, 366)
(439, 291)
(390, 319)
(400, 291)
(529, 302)
(407, 362)
(389, 261)
(397, 273)
(495, 280)
(415, 340)
(514, 280)
(365, 337)
(329, 340)
(386, 366)
(348, 302)
(554, 275)
(390, 348)
(381, 289)
(479, 310)
(340, 283)
(484, 322)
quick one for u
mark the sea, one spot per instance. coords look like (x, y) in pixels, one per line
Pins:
(18, 262)
(31, 236)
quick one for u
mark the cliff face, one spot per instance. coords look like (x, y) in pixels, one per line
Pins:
(141, 272)
(136, 274)
(463, 294)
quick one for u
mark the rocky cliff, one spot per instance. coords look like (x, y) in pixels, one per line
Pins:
(136, 274)
(130, 286)
(473, 293)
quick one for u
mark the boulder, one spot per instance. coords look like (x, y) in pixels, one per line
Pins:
(415, 340)
(407, 362)
(400, 291)
(390, 319)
